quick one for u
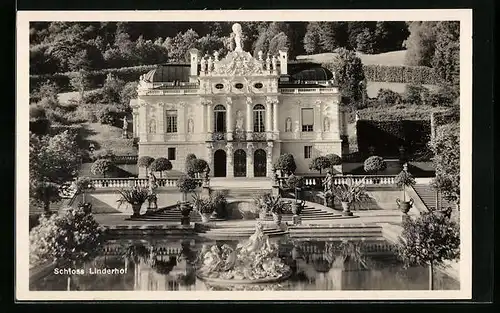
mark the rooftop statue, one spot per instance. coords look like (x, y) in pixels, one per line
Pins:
(237, 37)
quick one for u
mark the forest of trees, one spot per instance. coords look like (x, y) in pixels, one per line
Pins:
(65, 46)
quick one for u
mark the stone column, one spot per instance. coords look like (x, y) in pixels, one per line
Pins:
(161, 122)
(229, 162)
(268, 118)
(203, 118)
(249, 118)
(210, 123)
(144, 122)
(250, 150)
(269, 159)
(275, 119)
(229, 118)
(318, 128)
(210, 157)
(135, 123)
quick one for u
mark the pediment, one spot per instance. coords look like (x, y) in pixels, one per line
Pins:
(238, 64)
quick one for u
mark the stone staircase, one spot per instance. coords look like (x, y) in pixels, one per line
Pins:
(170, 214)
(309, 214)
(343, 231)
(237, 231)
(428, 196)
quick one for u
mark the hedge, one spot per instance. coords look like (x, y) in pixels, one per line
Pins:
(96, 78)
(446, 117)
(401, 74)
(386, 137)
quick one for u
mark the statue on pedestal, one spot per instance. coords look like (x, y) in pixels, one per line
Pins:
(237, 37)
(288, 125)
(152, 185)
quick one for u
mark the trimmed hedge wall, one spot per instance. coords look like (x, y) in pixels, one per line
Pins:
(96, 78)
(386, 137)
(401, 74)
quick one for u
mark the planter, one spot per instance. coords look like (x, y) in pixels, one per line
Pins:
(205, 217)
(296, 208)
(404, 206)
(185, 220)
(185, 209)
(346, 209)
(136, 208)
(277, 218)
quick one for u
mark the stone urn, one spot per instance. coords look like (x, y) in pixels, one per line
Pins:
(404, 206)
(346, 208)
(136, 208)
(205, 217)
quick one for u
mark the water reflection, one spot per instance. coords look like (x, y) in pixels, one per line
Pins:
(316, 265)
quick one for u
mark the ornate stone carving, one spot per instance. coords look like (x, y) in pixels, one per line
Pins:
(229, 150)
(239, 64)
(229, 100)
(152, 127)
(206, 102)
(326, 124)
(237, 37)
(318, 102)
(190, 126)
(239, 120)
(249, 100)
(288, 124)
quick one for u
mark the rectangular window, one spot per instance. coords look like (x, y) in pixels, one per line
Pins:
(258, 121)
(171, 154)
(307, 120)
(172, 121)
(307, 152)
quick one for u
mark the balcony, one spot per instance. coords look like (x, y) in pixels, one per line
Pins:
(243, 136)
(219, 136)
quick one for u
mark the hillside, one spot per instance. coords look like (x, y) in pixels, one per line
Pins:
(395, 58)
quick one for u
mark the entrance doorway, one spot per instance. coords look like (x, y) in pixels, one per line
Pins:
(220, 163)
(259, 163)
(240, 163)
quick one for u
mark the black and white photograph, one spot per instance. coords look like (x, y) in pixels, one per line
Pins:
(244, 155)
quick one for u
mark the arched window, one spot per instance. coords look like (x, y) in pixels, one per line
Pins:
(259, 118)
(220, 118)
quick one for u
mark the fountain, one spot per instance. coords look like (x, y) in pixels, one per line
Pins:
(255, 261)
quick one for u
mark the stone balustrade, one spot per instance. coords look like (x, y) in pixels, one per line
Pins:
(316, 182)
(117, 183)
(308, 90)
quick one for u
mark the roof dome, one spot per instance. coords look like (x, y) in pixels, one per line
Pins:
(168, 73)
(312, 73)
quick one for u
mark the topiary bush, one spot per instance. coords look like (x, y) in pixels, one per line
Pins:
(374, 164)
(160, 164)
(286, 164)
(320, 163)
(145, 161)
(334, 159)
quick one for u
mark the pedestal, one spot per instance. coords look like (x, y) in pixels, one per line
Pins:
(185, 220)
(296, 220)
(125, 134)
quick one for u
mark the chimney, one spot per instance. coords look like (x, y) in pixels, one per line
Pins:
(194, 62)
(283, 62)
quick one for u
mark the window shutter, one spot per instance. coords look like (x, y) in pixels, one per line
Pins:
(307, 117)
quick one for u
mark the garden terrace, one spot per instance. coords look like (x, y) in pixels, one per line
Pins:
(131, 182)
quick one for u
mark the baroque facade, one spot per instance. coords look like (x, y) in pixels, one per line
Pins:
(239, 113)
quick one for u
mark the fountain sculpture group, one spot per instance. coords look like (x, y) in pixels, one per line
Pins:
(254, 261)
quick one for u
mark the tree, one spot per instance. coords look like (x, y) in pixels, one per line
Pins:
(145, 161)
(188, 165)
(334, 159)
(320, 163)
(286, 164)
(180, 45)
(278, 43)
(82, 185)
(53, 161)
(429, 240)
(81, 83)
(366, 41)
(198, 166)
(74, 237)
(160, 164)
(349, 73)
(101, 167)
(420, 45)
(128, 92)
(312, 39)
(446, 148)
(374, 164)
(39, 123)
(446, 59)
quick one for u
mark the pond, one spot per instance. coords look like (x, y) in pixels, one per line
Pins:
(158, 265)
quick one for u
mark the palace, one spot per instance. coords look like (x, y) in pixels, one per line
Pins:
(239, 113)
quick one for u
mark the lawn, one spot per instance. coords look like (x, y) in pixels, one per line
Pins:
(109, 137)
(372, 88)
(387, 58)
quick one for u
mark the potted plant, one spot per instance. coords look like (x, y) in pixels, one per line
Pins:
(261, 204)
(373, 165)
(295, 183)
(277, 207)
(403, 180)
(220, 204)
(205, 207)
(81, 185)
(135, 196)
(186, 185)
(349, 194)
